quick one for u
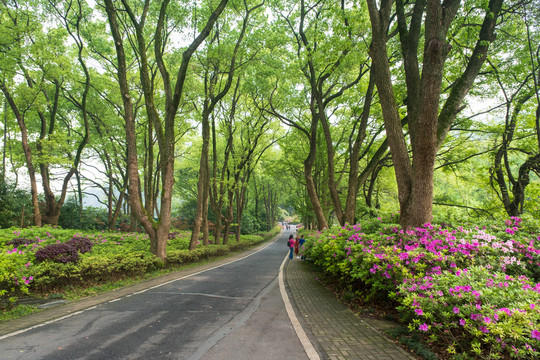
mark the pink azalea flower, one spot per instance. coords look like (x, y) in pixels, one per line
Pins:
(418, 311)
(456, 310)
(535, 334)
(423, 327)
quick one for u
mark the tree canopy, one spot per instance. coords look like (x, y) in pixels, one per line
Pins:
(231, 115)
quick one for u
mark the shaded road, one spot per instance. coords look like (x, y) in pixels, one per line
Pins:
(234, 311)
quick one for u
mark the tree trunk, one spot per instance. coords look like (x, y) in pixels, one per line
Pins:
(240, 206)
(157, 231)
(206, 235)
(201, 184)
(512, 190)
(148, 169)
(427, 128)
(27, 153)
(310, 184)
(229, 216)
(4, 147)
(354, 158)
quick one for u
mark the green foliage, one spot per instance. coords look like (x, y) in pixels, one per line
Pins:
(12, 203)
(93, 269)
(87, 218)
(412, 341)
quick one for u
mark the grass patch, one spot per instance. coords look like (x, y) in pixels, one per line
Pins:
(17, 312)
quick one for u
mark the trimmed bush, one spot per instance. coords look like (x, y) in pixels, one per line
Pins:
(82, 244)
(93, 269)
(182, 257)
(60, 253)
(58, 258)
(21, 241)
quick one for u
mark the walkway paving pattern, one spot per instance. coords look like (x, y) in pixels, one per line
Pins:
(339, 333)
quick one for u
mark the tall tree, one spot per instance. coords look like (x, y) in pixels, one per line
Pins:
(518, 79)
(427, 22)
(213, 94)
(165, 128)
(37, 104)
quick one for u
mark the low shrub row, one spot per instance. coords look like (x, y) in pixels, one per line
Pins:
(472, 290)
(51, 276)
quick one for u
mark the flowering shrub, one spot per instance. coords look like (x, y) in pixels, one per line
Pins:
(474, 290)
(15, 276)
(500, 312)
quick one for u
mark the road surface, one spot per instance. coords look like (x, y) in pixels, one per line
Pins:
(234, 311)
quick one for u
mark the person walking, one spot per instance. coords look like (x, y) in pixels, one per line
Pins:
(297, 246)
(290, 244)
(301, 242)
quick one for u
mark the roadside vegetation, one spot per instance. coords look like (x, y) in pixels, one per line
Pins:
(469, 290)
(154, 117)
(51, 263)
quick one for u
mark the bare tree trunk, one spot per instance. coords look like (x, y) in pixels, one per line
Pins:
(148, 170)
(310, 184)
(206, 235)
(240, 206)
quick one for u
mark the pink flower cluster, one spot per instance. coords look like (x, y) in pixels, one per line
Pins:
(414, 261)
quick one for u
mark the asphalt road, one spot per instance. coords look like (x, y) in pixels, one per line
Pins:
(234, 311)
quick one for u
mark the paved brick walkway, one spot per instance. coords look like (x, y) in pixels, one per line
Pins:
(339, 333)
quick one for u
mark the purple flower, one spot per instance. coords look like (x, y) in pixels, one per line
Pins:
(418, 311)
(484, 329)
(462, 322)
(403, 256)
(423, 327)
(456, 310)
(535, 334)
